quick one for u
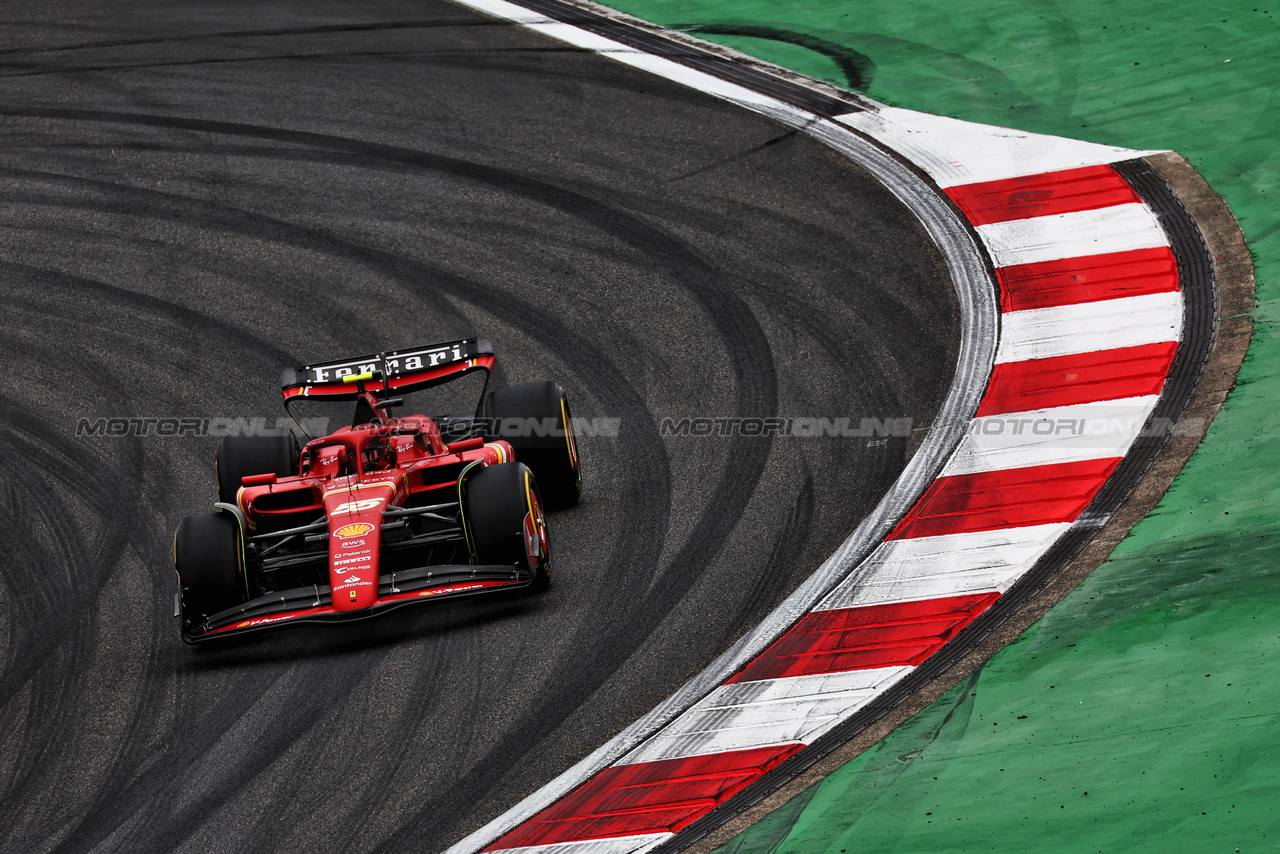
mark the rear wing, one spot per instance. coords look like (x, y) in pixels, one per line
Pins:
(406, 371)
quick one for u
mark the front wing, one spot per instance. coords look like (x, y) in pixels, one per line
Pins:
(313, 604)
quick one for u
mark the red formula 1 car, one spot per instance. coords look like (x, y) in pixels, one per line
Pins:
(385, 512)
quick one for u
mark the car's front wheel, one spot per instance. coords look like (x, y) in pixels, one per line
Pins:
(208, 555)
(505, 524)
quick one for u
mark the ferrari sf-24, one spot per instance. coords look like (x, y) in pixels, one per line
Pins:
(382, 513)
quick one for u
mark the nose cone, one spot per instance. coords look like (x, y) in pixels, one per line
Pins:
(355, 543)
(353, 563)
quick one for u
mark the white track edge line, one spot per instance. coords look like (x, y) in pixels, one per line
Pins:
(634, 844)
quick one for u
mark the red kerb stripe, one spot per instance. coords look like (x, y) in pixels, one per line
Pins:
(1009, 498)
(1078, 378)
(872, 636)
(1090, 278)
(648, 797)
(1084, 189)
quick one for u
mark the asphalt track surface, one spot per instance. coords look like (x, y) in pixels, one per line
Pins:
(195, 198)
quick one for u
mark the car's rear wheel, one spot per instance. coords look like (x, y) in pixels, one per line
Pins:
(208, 554)
(535, 419)
(503, 512)
(240, 456)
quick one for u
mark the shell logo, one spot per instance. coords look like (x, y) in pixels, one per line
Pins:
(355, 529)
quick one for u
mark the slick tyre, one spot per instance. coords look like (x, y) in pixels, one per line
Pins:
(240, 456)
(535, 419)
(208, 553)
(504, 520)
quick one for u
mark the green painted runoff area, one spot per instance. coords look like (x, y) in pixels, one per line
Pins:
(1141, 713)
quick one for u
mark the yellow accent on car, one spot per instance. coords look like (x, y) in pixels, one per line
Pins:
(568, 433)
(355, 378)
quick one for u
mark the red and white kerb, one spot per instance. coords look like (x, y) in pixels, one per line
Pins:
(1091, 316)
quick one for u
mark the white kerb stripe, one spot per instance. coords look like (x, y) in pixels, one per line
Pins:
(958, 152)
(637, 844)
(1061, 434)
(1119, 228)
(1086, 327)
(665, 68)
(766, 713)
(950, 565)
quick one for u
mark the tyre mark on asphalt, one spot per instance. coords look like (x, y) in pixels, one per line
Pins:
(188, 38)
(858, 68)
(733, 320)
